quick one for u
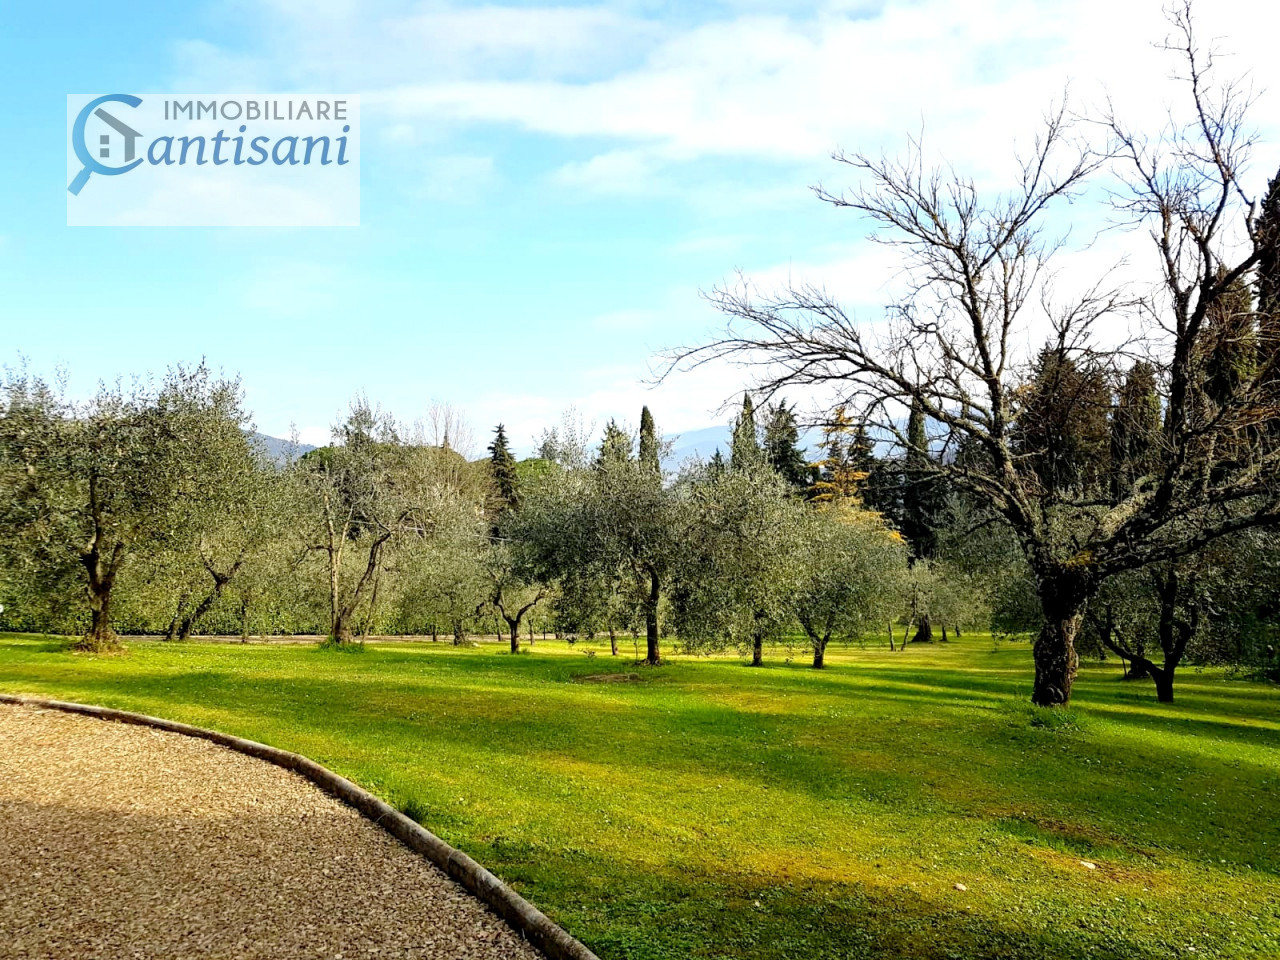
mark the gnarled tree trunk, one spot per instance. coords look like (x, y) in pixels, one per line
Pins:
(651, 619)
(924, 630)
(102, 578)
(1062, 598)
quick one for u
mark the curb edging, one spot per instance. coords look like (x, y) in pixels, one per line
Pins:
(522, 916)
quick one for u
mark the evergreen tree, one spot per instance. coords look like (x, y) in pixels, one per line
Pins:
(1229, 347)
(919, 494)
(649, 452)
(838, 477)
(1135, 428)
(1268, 271)
(862, 454)
(1062, 427)
(781, 446)
(920, 507)
(503, 465)
(744, 447)
(615, 445)
(883, 490)
(1268, 293)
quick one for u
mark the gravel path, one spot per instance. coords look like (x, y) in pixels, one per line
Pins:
(121, 841)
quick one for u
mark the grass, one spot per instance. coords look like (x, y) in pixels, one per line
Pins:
(711, 810)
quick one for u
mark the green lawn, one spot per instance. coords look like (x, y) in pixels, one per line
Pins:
(713, 810)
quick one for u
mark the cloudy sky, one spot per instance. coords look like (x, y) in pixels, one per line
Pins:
(545, 188)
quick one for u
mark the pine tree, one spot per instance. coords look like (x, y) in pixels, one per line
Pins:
(744, 447)
(503, 465)
(1135, 428)
(1229, 345)
(781, 446)
(1063, 430)
(615, 446)
(649, 453)
(838, 478)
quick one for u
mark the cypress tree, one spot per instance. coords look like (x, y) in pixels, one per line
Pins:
(503, 465)
(1230, 346)
(744, 447)
(918, 491)
(781, 446)
(1267, 360)
(1135, 428)
(649, 442)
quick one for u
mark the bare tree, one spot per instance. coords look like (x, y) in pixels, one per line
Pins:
(979, 272)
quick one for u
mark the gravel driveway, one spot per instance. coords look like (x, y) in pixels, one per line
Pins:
(126, 842)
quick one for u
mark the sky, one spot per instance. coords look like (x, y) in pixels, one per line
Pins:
(545, 190)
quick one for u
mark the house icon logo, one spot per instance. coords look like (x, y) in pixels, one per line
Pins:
(119, 143)
(126, 132)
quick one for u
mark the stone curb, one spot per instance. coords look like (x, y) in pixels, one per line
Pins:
(523, 917)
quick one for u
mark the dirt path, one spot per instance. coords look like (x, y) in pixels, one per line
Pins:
(125, 842)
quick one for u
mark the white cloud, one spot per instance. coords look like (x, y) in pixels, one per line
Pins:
(458, 178)
(778, 88)
(615, 172)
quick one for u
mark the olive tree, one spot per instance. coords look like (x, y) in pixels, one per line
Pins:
(742, 563)
(615, 524)
(979, 289)
(88, 484)
(369, 494)
(852, 575)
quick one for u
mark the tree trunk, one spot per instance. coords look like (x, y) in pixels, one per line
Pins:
(1164, 683)
(1175, 632)
(1056, 660)
(102, 576)
(820, 652)
(206, 604)
(101, 635)
(175, 623)
(891, 636)
(1138, 668)
(341, 629)
(613, 643)
(335, 607)
(924, 631)
(944, 633)
(1063, 597)
(652, 656)
(515, 635)
(757, 651)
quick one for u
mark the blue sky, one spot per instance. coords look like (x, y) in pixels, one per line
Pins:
(545, 188)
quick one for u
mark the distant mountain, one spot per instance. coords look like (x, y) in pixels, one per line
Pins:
(703, 443)
(697, 444)
(280, 451)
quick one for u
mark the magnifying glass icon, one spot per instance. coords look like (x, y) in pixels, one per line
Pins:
(91, 163)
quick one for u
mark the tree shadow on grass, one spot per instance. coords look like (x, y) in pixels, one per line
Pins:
(622, 909)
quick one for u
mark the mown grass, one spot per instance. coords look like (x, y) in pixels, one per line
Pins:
(714, 810)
